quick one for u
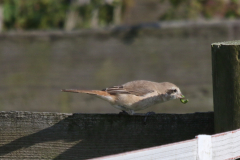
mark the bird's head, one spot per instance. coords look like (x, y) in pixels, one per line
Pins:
(174, 93)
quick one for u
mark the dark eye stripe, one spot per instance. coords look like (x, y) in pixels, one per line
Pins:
(170, 91)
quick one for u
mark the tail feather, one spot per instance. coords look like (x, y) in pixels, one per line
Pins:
(101, 94)
(94, 92)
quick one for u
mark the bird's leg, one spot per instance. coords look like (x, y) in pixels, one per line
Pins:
(148, 114)
(123, 113)
(128, 112)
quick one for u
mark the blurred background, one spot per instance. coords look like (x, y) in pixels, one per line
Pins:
(48, 45)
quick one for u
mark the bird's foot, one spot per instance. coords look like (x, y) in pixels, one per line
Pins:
(148, 114)
(123, 113)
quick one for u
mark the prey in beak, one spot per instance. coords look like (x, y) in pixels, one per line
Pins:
(176, 94)
(182, 99)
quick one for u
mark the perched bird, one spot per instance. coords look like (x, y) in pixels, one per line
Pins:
(135, 95)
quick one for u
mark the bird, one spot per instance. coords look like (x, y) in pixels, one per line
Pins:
(135, 95)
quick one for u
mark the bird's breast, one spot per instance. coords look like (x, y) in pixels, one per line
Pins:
(139, 102)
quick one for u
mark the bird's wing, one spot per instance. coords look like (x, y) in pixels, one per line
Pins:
(128, 90)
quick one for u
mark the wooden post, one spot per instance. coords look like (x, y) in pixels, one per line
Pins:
(71, 20)
(94, 19)
(117, 13)
(1, 17)
(226, 85)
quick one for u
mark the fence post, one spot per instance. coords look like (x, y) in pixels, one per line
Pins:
(1, 17)
(226, 85)
(204, 147)
(117, 13)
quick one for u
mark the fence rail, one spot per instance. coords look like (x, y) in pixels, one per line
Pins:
(44, 135)
(223, 146)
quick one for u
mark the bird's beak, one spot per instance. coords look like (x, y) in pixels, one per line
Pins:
(181, 96)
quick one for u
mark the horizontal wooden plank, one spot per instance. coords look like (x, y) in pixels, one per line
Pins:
(221, 146)
(226, 145)
(180, 151)
(38, 135)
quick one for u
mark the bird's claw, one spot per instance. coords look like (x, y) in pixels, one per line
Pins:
(148, 114)
(123, 113)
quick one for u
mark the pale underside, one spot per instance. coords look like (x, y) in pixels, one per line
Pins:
(130, 97)
(135, 95)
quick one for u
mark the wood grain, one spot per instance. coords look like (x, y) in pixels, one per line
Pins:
(45, 135)
(226, 86)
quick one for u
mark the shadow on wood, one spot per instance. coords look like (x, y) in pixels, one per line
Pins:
(29, 135)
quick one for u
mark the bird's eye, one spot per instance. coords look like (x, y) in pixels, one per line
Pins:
(171, 91)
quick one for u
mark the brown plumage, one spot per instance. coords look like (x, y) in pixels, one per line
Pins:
(135, 95)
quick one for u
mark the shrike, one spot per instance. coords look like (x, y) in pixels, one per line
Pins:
(136, 95)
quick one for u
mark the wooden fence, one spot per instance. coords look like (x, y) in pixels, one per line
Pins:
(39, 135)
(29, 135)
(203, 147)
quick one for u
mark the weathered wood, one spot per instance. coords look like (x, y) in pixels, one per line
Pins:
(226, 85)
(117, 13)
(29, 135)
(1, 17)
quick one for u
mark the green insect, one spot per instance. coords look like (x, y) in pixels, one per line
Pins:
(184, 101)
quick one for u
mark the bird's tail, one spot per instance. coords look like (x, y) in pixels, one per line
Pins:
(93, 92)
(101, 94)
